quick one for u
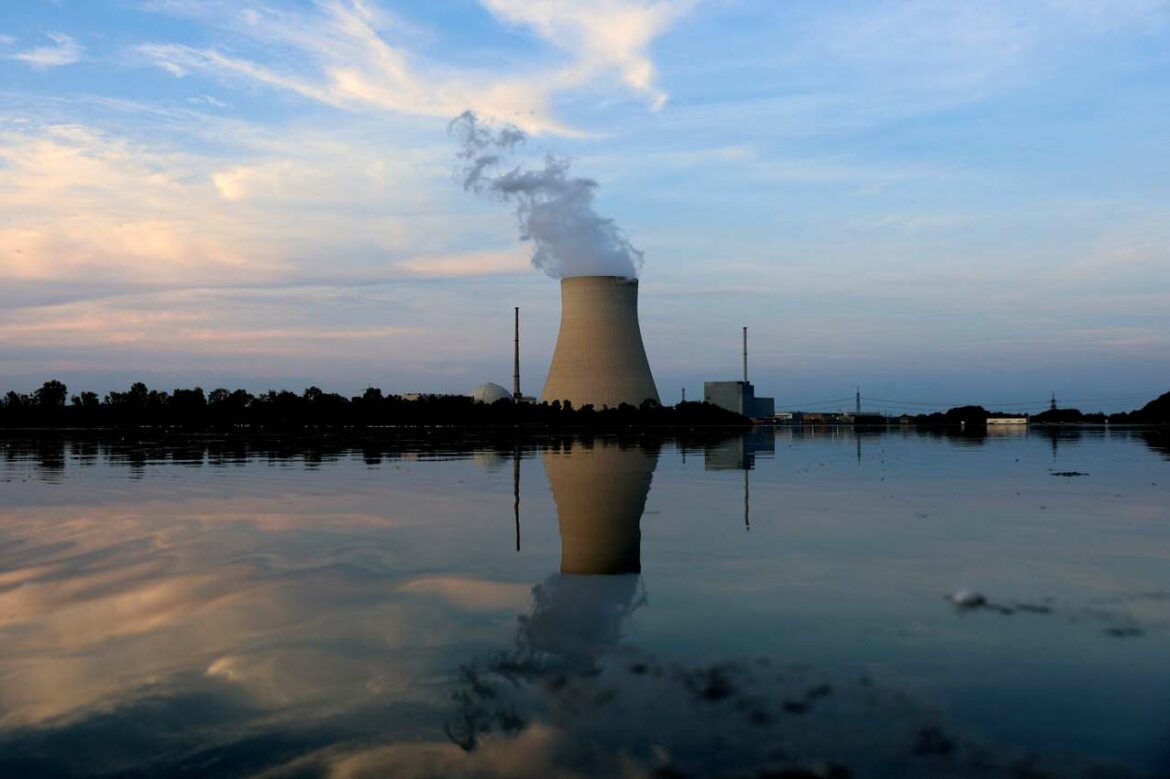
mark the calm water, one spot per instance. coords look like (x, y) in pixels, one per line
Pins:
(745, 607)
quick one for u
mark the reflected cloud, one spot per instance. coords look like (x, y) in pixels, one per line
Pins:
(104, 606)
(471, 594)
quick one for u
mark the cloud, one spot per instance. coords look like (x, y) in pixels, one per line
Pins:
(64, 51)
(77, 203)
(93, 208)
(290, 248)
(606, 35)
(207, 100)
(208, 323)
(353, 63)
(477, 263)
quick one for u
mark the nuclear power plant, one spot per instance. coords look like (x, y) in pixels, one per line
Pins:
(599, 358)
(600, 361)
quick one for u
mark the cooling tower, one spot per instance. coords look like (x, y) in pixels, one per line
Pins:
(599, 358)
(600, 492)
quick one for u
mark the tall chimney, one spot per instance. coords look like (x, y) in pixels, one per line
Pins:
(516, 361)
(599, 358)
(745, 355)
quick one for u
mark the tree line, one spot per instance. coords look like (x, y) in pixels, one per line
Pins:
(51, 406)
(1156, 412)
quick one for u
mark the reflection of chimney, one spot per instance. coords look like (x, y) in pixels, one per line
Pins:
(516, 491)
(600, 492)
(599, 358)
(747, 502)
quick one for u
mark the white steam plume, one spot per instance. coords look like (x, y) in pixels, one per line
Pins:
(555, 211)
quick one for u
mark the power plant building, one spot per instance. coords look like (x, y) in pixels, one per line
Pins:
(489, 393)
(599, 358)
(740, 397)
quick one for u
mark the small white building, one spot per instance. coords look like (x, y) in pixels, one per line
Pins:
(1002, 419)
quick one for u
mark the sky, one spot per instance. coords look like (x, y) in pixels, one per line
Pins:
(939, 202)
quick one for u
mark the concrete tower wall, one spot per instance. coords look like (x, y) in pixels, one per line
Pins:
(599, 358)
(600, 493)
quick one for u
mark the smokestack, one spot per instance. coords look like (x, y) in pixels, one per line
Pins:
(745, 354)
(516, 361)
(599, 358)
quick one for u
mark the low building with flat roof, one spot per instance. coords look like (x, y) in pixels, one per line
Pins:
(1006, 419)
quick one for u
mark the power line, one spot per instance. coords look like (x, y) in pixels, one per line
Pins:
(812, 404)
(952, 405)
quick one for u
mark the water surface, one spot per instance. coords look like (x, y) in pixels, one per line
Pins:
(739, 607)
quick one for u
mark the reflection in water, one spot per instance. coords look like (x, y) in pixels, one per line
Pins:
(516, 492)
(1158, 441)
(600, 490)
(259, 609)
(739, 454)
(570, 697)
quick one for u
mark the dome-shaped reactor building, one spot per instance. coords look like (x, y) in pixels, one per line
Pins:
(599, 358)
(489, 393)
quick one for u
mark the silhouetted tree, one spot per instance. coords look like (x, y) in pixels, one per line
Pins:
(52, 394)
(1059, 416)
(14, 401)
(187, 407)
(86, 400)
(1156, 412)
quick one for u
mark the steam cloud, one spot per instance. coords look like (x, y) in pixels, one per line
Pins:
(555, 211)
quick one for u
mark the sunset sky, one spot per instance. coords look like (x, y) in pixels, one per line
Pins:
(939, 201)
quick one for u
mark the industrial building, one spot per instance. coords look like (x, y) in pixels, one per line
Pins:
(599, 358)
(489, 393)
(739, 396)
(1007, 419)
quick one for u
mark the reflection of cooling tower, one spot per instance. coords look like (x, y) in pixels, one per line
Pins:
(599, 358)
(600, 493)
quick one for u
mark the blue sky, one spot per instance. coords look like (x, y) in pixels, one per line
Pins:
(937, 201)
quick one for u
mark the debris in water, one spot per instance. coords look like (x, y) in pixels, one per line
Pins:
(932, 741)
(967, 599)
(1124, 632)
